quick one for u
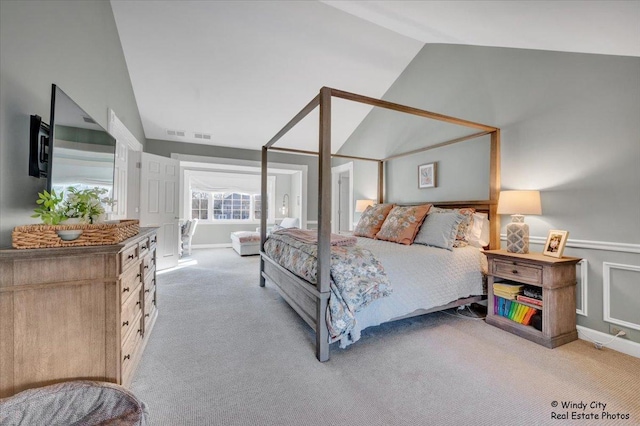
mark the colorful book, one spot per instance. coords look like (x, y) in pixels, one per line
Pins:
(527, 299)
(527, 318)
(523, 312)
(512, 310)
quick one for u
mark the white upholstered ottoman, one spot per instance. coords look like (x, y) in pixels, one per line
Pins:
(245, 243)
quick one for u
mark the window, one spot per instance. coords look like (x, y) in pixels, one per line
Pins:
(232, 205)
(225, 198)
(199, 205)
(220, 206)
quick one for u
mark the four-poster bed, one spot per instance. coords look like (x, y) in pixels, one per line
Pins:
(310, 301)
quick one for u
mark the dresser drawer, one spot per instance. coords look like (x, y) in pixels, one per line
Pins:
(517, 271)
(153, 239)
(149, 306)
(130, 349)
(143, 247)
(130, 283)
(131, 309)
(148, 266)
(128, 257)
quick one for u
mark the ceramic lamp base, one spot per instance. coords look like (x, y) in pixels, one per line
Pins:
(518, 236)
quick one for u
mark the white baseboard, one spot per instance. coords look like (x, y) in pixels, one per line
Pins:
(618, 344)
(206, 246)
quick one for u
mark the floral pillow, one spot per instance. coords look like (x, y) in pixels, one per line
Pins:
(371, 220)
(464, 229)
(402, 224)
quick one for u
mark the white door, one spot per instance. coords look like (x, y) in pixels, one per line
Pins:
(342, 197)
(159, 178)
(119, 210)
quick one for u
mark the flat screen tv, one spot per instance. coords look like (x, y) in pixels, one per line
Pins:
(81, 153)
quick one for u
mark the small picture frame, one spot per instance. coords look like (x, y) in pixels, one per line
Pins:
(427, 175)
(556, 240)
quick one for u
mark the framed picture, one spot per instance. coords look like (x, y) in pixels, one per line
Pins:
(427, 175)
(555, 243)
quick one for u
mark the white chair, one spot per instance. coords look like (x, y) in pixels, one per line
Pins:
(187, 234)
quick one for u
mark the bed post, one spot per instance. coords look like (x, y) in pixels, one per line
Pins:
(380, 181)
(263, 210)
(324, 225)
(494, 190)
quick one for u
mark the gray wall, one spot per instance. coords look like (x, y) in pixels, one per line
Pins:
(73, 44)
(570, 128)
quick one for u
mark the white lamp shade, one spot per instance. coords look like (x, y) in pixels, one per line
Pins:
(519, 202)
(361, 205)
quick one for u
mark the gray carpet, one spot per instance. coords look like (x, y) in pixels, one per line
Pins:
(225, 351)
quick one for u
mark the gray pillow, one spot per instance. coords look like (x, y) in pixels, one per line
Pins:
(439, 230)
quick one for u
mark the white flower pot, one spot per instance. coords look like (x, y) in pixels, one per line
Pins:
(70, 234)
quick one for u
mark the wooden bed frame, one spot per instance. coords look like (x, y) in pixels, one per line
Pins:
(310, 301)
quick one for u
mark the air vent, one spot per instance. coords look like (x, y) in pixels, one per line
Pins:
(205, 136)
(179, 133)
(88, 120)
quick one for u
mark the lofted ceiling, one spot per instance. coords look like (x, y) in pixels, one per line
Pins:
(233, 73)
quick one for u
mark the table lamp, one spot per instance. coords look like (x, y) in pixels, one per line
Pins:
(517, 204)
(361, 205)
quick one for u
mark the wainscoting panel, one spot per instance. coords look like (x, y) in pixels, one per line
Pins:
(582, 288)
(621, 285)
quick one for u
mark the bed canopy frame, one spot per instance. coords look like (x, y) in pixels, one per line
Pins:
(310, 301)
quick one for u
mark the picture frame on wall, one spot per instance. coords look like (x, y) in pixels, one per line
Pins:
(427, 175)
(556, 240)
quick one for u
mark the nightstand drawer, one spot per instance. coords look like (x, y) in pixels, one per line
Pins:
(521, 272)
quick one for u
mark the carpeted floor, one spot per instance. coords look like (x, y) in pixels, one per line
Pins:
(225, 351)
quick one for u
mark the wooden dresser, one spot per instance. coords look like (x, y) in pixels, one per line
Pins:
(76, 312)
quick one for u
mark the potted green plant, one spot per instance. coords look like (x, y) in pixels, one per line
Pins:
(86, 204)
(79, 206)
(49, 208)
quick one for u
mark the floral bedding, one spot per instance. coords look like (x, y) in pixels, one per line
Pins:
(357, 277)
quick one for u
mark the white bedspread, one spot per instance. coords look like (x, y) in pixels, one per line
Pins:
(422, 278)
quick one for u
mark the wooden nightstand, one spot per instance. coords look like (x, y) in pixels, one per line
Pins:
(556, 277)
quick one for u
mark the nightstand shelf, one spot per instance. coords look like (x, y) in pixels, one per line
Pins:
(556, 277)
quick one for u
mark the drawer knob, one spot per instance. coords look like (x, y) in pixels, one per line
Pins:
(147, 290)
(138, 275)
(125, 289)
(125, 323)
(131, 256)
(143, 247)
(126, 357)
(146, 266)
(515, 271)
(146, 315)
(138, 302)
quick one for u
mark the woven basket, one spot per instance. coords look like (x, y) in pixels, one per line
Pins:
(45, 236)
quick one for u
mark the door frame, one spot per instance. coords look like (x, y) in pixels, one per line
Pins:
(335, 174)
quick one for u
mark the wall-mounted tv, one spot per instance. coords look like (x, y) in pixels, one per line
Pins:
(79, 152)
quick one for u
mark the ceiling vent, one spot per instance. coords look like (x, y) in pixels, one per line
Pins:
(88, 120)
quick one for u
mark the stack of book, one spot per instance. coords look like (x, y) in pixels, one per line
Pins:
(507, 290)
(505, 302)
(513, 310)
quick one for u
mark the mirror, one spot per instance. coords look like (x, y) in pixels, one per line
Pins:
(82, 153)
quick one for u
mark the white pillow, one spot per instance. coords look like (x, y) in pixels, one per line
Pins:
(290, 222)
(479, 234)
